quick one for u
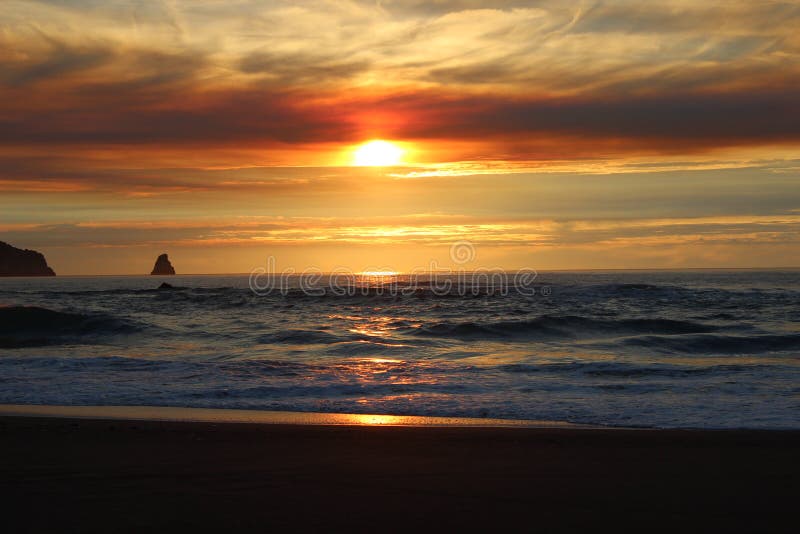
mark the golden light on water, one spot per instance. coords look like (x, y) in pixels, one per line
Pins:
(162, 413)
(378, 153)
(377, 419)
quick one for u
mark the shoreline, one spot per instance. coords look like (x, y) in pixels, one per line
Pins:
(267, 417)
(181, 414)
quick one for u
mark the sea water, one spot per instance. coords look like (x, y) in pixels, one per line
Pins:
(710, 349)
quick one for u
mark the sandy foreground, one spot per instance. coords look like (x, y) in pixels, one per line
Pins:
(118, 474)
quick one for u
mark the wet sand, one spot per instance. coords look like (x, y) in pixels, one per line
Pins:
(71, 474)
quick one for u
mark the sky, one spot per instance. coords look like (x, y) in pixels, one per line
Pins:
(548, 135)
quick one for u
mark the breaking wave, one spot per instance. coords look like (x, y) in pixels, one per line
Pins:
(31, 326)
(563, 327)
(719, 344)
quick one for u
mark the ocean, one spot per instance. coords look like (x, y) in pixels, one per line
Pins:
(666, 349)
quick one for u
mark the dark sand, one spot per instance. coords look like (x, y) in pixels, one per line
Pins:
(112, 475)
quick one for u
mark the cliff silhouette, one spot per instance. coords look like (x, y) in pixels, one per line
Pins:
(22, 262)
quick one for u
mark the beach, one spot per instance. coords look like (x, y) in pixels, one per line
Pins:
(90, 475)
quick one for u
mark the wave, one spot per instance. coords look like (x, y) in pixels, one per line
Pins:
(301, 337)
(178, 370)
(561, 327)
(31, 326)
(629, 370)
(721, 344)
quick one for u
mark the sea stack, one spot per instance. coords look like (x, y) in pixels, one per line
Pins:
(22, 262)
(163, 266)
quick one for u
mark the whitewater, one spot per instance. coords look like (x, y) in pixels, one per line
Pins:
(668, 349)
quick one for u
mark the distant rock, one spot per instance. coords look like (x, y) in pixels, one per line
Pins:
(163, 266)
(18, 262)
(169, 287)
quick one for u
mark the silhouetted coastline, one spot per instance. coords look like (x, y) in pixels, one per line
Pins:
(22, 262)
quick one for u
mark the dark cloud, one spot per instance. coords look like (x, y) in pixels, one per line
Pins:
(163, 116)
(101, 93)
(124, 113)
(61, 60)
(82, 66)
(64, 174)
(691, 119)
(135, 234)
(293, 69)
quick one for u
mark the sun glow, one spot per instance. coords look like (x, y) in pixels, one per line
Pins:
(378, 153)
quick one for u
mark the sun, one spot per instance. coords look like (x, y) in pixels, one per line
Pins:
(378, 153)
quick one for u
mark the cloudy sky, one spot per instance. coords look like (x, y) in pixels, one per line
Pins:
(551, 135)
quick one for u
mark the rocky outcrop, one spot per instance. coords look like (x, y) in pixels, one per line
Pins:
(169, 287)
(163, 266)
(18, 262)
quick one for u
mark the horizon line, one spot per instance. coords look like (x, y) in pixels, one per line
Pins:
(453, 273)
